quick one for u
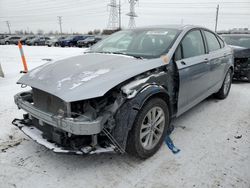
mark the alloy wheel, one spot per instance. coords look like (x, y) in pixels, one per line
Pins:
(152, 128)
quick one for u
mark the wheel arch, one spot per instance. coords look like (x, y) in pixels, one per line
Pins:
(153, 91)
(127, 113)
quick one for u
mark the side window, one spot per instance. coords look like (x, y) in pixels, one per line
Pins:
(212, 42)
(192, 44)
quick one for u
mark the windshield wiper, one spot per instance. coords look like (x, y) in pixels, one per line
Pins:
(135, 56)
(119, 53)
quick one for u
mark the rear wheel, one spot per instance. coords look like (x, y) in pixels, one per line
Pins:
(7, 43)
(149, 129)
(56, 44)
(225, 88)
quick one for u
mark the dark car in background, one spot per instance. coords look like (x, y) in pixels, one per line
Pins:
(25, 38)
(89, 41)
(240, 44)
(54, 41)
(122, 94)
(72, 40)
(37, 41)
(10, 40)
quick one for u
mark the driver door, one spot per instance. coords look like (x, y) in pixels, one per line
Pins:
(194, 70)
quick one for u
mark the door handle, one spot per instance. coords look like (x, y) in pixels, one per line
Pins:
(183, 63)
(206, 60)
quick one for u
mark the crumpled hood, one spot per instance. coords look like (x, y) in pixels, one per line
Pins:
(86, 76)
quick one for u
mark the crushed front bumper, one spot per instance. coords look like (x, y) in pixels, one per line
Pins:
(69, 125)
(36, 135)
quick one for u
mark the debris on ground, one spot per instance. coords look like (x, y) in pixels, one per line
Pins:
(4, 146)
(238, 136)
(171, 145)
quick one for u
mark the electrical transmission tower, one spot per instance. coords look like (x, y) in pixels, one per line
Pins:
(8, 25)
(113, 15)
(132, 14)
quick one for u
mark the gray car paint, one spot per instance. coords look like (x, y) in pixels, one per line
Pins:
(86, 76)
(78, 78)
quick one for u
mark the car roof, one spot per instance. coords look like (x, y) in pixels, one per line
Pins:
(178, 27)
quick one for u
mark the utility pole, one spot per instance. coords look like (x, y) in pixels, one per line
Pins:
(8, 25)
(216, 20)
(120, 19)
(132, 13)
(60, 23)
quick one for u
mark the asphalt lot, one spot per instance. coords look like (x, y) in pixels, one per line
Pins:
(214, 139)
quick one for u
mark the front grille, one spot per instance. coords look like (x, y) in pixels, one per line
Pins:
(47, 102)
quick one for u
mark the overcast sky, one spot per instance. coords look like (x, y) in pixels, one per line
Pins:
(85, 15)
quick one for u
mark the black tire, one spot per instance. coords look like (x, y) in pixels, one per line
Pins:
(36, 44)
(56, 44)
(7, 43)
(134, 142)
(224, 90)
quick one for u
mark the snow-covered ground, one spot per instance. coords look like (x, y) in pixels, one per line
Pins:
(214, 139)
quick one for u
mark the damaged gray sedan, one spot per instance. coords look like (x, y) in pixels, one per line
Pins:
(122, 94)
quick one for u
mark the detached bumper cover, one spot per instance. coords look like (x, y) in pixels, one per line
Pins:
(36, 135)
(69, 125)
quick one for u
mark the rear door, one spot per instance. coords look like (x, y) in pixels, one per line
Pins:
(217, 58)
(194, 70)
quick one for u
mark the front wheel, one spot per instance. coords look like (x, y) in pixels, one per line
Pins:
(225, 88)
(149, 129)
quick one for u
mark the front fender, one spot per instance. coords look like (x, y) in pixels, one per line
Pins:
(147, 92)
(127, 113)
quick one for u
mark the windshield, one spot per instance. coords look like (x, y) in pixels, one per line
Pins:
(89, 39)
(69, 37)
(138, 43)
(243, 41)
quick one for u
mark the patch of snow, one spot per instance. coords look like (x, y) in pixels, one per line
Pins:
(87, 76)
(59, 83)
(210, 154)
(129, 88)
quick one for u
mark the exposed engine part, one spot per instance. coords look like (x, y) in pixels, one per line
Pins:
(242, 69)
